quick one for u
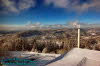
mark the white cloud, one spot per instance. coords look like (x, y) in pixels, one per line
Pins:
(11, 27)
(12, 6)
(74, 5)
(28, 26)
(57, 3)
(94, 5)
(9, 5)
(24, 4)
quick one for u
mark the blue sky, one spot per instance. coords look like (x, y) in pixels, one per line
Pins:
(19, 12)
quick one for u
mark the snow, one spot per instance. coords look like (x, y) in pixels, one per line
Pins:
(41, 58)
(89, 62)
(74, 57)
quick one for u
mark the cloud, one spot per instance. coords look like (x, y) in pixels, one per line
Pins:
(76, 24)
(57, 3)
(76, 5)
(92, 5)
(9, 5)
(28, 26)
(11, 27)
(16, 7)
(24, 4)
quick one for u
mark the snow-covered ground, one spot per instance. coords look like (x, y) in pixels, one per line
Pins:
(76, 58)
(40, 58)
